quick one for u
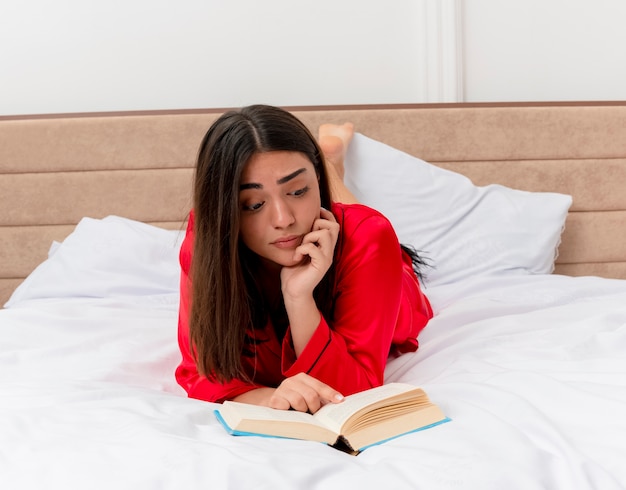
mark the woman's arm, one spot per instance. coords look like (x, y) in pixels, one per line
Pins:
(315, 256)
(350, 351)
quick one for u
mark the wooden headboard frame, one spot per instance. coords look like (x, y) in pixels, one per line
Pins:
(55, 169)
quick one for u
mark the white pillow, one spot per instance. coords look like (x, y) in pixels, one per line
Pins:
(463, 230)
(111, 257)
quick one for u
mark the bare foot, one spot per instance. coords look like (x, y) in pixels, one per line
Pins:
(334, 140)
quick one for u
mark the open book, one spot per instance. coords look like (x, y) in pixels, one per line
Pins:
(360, 420)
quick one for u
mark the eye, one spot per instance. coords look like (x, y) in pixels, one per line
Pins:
(252, 207)
(300, 192)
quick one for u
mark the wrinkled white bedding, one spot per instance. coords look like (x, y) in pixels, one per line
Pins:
(530, 368)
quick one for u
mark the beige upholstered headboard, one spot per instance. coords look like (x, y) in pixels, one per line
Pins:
(54, 170)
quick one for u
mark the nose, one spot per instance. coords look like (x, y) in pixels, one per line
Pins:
(282, 214)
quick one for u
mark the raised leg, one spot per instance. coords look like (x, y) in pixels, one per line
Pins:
(334, 140)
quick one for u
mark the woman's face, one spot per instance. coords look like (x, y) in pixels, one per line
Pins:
(279, 199)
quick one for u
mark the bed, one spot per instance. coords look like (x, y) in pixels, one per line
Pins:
(520, 208)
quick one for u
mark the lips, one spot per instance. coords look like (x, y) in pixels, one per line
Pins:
(291, 241)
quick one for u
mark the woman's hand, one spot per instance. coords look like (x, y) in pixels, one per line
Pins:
(301, 392)
(314, 256)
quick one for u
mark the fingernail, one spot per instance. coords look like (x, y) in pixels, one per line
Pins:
(338, 397)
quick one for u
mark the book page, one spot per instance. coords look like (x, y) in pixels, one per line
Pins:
(389, 428)
(245, 419)
(334, 415)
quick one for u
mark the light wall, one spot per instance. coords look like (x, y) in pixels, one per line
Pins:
(87, 55)
(544, 50)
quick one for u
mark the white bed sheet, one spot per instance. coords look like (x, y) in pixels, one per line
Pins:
(531, 369)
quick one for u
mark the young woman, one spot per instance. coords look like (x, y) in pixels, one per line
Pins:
(292, 294)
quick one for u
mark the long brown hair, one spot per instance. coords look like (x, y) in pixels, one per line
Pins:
(227, 304)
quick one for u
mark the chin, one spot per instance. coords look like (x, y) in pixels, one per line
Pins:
(287, 262)
(278, 262)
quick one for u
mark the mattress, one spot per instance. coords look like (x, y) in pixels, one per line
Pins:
(529, 367)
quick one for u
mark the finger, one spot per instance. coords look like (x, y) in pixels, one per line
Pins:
(324, 391)
(307, 250)
(303, 389)
(331, 229)
(279, 402)
(323, 237)
(311, 398)
(327, 215)
(298, 396)
(325, 224)
(317, 237)
(318, 258)
(322, 250)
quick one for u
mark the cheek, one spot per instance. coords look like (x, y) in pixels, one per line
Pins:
(247, 232)
(317, 205)
(309, 212)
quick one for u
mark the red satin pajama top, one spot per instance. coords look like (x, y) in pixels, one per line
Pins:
(378, 305)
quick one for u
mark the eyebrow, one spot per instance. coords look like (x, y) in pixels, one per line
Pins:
(282, 180)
